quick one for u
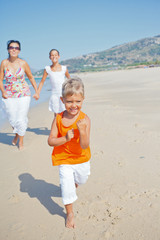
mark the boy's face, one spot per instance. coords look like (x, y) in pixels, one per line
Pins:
(73, 103)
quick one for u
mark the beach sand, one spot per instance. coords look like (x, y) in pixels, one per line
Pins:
(121, 199)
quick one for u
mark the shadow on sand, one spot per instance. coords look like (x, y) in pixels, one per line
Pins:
(43, 191)
(6, 138)
(39, 131)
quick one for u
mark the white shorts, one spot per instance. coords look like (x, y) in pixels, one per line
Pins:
(55, 104)
(16, 110)
(69, 175)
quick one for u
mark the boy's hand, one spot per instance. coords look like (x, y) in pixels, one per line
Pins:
(82, 124)
(70, 135)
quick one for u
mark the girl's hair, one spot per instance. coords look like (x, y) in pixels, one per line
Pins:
(53, 50)
(73, 86)
(13, 41)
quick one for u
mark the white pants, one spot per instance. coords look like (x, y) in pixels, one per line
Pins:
(16, 110)
(69, 175)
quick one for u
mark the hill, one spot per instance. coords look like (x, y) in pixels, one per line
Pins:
(144, 51)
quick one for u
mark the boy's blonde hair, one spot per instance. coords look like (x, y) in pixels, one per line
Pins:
(72, 86)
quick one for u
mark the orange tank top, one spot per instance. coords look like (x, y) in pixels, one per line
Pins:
(70, 152)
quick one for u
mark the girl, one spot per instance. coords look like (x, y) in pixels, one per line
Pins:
(57, 74)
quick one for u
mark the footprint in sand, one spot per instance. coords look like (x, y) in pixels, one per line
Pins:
(18, 227)
(14, 199)
(106, 235)
(98, 153)
(121, 163)
(101, 211)
(146, 194)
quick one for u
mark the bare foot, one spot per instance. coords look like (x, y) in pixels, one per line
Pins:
(70, 220)
(14, 142)
(21, 147)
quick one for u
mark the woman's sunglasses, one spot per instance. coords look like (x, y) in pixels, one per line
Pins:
(16, 48)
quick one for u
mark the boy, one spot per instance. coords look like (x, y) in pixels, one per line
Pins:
(70, 135)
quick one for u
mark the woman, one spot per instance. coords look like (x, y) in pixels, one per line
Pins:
(57, 74)
(16, 95)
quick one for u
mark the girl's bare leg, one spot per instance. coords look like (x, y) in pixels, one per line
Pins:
(70, 216)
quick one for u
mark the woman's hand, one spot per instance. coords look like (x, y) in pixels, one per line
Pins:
(4, 95)
(36, 96)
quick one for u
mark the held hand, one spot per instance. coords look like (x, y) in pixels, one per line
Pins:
(70, 135)
(82, 124)
(36, 96)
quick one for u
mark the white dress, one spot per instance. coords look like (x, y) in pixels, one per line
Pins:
(56, 79)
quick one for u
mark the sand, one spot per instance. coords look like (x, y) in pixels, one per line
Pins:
(121, 199)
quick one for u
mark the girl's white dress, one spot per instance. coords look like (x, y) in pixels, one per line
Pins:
(56, 80)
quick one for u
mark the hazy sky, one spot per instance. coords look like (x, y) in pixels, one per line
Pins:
(74, 27)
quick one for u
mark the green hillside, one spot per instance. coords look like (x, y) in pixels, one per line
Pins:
(145, 51)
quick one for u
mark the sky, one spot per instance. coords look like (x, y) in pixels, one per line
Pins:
(74, 27)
